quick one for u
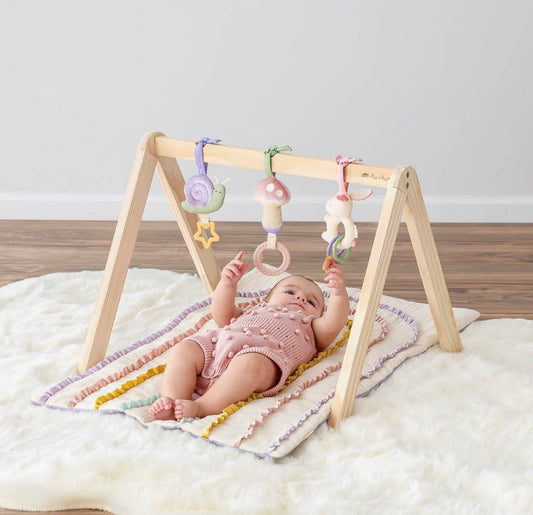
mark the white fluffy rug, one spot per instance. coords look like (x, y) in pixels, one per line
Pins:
(447, 433)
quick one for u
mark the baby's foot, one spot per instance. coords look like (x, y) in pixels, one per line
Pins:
(163, 409)
(186, 409)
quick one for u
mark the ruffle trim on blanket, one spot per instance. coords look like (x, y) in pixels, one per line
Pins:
(123, 352)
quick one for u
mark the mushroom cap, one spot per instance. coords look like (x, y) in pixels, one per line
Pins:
(271, 191)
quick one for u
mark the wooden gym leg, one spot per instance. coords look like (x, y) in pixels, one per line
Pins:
(371, 291)
(429, 266)
(119, 255)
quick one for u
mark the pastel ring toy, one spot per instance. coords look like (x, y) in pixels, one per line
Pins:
(343, 254)
(258, 259)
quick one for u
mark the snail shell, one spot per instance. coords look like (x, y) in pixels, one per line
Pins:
(215, 203)
(198, 190)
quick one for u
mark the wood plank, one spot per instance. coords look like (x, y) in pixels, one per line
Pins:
(119, 258)
(428, 261)
(497, 280)
(291, 164)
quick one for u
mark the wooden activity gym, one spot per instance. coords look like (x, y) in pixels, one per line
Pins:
(403, 198)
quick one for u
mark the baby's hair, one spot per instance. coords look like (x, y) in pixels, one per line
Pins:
(267, 298)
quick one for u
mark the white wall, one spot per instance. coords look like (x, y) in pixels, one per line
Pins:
(445, 86)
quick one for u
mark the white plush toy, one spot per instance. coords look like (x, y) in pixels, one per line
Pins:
(339, 211)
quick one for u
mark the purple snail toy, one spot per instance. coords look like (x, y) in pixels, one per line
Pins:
(203, 197)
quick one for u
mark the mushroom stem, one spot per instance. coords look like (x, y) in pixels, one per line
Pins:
(272, 217)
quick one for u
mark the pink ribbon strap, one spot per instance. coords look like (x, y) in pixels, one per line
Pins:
(342, 163)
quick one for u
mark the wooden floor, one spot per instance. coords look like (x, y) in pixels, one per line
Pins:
(488, 267)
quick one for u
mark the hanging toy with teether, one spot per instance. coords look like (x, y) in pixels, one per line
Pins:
(339, 211)
(203, 197)
(271, 193)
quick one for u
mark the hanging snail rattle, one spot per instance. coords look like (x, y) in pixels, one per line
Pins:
(271, 193)
(339, 211)
(203, 197)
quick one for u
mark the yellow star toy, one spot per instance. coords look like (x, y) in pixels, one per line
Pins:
(199, 235)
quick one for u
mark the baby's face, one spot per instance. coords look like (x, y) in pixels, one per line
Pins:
(298, 293)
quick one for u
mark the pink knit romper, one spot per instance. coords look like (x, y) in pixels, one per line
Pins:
(286, 337)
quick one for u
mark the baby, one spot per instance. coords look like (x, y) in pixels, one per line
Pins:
(253, 351)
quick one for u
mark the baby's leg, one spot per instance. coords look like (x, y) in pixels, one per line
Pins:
(246, 374)
(185, 362)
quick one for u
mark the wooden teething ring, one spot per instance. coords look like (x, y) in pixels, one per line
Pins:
(258, 259)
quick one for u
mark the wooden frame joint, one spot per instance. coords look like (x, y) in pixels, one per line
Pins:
(401, 177)
(147, 143)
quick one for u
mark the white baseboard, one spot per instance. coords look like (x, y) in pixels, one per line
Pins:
(59, 206)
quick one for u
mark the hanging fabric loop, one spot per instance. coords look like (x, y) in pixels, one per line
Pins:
(270, 153)
(199, 154)
(342, 163)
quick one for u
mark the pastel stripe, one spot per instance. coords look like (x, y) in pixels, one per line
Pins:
(143, 360)
(309, 413)
(53, 390)
(123, 352)
(140, 403)
(285, 399)
(128, 385)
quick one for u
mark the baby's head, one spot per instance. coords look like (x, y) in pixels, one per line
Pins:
(296, 293)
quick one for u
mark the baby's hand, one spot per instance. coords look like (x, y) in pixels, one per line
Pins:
(234, 270)
(335, 279)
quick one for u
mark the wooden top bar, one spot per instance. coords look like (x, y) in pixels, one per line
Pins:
(356, 173)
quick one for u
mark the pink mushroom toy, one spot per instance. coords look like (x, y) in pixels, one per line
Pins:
(271, 194)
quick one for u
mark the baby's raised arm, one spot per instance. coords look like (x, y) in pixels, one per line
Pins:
(328, 326)
(223, 300)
